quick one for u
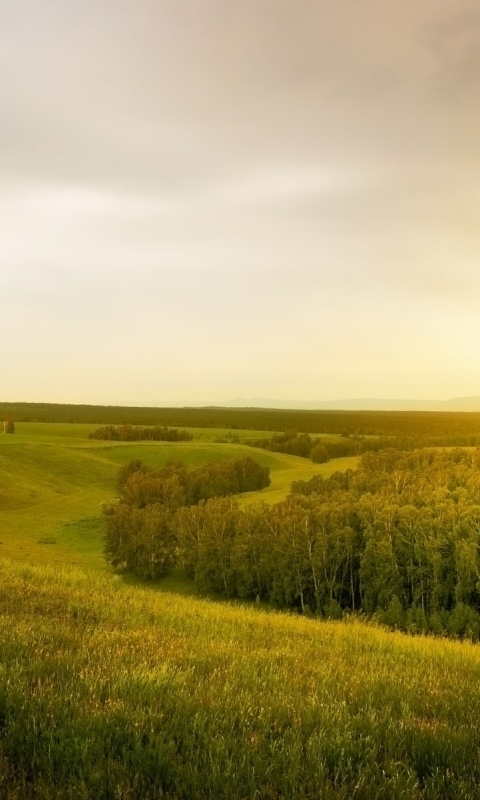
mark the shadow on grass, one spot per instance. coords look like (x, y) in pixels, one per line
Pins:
(176, 582)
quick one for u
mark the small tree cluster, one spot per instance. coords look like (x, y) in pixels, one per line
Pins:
(290, 442)
(321, 450)
(302, 444)
(130, 433)
(140, 533)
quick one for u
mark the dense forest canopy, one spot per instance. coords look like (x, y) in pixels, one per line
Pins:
(398, 539)
(461, 428)
(140, 535)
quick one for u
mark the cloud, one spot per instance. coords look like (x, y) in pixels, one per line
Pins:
(253, 189)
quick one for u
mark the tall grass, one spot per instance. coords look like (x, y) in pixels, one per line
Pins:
(109, 691)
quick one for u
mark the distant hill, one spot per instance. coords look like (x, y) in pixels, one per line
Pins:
(360, 404)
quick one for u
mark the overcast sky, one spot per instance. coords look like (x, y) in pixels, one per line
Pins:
(209, 199)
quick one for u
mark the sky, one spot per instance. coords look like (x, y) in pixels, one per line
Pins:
(209, 199)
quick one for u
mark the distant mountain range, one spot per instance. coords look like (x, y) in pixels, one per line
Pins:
(360, 404)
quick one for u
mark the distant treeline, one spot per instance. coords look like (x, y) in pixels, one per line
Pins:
(321, 451)
(302, 444)
(430, 428)
(399, 539)
(128, 433)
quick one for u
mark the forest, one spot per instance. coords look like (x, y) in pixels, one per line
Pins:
(141, 536)
(397, 540)
(429, 429)
(321, 450)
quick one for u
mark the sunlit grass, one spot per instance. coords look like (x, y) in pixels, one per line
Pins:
(115, 691)
(53, 481)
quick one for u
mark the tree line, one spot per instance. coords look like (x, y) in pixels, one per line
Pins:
(397, 540)
(427, 428)
(140, 533)
(301, 444)
(129, 433)
(322, 450)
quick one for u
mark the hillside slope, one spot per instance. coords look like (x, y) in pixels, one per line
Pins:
(115, 692)
(53, 480)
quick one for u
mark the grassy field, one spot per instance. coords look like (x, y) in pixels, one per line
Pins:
(73, 432)
(108, 691)
(114, 691)
(53, 480)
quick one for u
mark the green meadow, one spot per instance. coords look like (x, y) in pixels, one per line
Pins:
(115, 690)
(53, 480)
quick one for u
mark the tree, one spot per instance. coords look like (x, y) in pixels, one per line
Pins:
(154, 542)
(9, 426)
(319, 454)
(189, 525)
(214, 570)
(140, 540)
(127, 470)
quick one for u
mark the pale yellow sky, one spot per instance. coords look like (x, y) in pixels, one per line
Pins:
(255, 198)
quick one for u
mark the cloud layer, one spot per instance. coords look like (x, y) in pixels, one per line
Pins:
(207, 200)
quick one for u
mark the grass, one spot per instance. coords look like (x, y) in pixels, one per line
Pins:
(77, 431)
(109, 691)
(53, 480)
